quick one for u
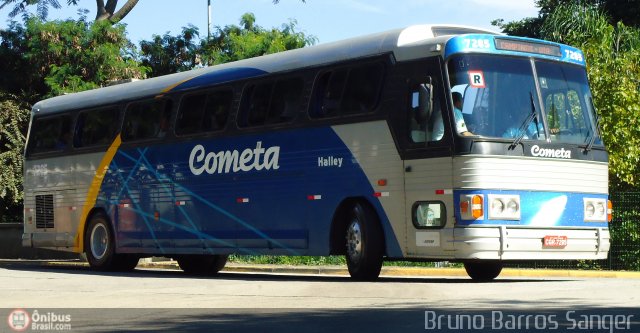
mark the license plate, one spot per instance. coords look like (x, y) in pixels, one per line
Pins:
(555, 241)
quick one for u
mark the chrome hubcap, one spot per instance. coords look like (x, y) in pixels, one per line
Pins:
(99, 241)
(354, 241)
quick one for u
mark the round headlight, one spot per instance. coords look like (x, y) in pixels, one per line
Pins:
(497, 206)
(589, 210)
(512, 207)
(600, 210)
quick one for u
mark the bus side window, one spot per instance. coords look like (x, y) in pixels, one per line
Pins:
(272, 102)
(363, 88)
(146, 120)
(328, 94)
(96, 127)
(190, 114)
(50, 134)
(217, 110)
(286, 100)
(420, 124)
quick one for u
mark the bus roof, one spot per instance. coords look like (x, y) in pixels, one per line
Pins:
(406, 43)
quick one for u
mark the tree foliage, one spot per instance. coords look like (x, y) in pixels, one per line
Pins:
(613, 54)
(105, 12)
(14, 117)
(71, 56)
(248, 40)
(625, 11)
(170, 54)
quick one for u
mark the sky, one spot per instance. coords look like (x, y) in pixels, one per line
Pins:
(327, 20)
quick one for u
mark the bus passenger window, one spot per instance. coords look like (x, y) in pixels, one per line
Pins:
(217, 110)
(328, 93)
(190, 114)
(286, 101)
(271, 103)
(346, 91)
(363, 88)
(50, 134)
(202, 112)
(96, 128)
(146, 120)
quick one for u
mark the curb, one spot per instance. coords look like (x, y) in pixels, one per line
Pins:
(405, 271)
(393, 271)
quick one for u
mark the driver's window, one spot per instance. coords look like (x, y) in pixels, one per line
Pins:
(422, 127)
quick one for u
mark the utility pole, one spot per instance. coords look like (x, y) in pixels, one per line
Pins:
(209, 20)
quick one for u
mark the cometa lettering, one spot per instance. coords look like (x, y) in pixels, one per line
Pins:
(553, 153)
(234, 161)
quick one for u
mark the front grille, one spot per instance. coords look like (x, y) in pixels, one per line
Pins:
(44, 211)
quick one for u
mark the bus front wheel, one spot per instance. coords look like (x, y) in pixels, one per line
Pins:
(100, 247)
(483, 270)
(202, 264)
(365, 244)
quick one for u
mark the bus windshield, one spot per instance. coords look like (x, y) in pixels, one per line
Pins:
(500, 99)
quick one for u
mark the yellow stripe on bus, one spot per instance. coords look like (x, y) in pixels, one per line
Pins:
(94, 190)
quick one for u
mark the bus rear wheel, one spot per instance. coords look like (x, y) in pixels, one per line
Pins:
(202, 264)
(100, 247)
(483, 270)
(365, 244)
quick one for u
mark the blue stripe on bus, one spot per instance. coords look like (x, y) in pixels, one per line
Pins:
(169, 200)
(538, 209)
(219, 76)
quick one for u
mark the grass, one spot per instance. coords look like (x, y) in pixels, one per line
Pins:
(323, 261)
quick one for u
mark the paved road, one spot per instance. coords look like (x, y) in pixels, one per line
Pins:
(152, 300)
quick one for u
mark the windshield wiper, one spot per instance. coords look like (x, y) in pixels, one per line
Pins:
(523, 128)
(596, 130)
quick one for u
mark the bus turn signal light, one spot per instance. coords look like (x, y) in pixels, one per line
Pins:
(609, 210)
(477, 206)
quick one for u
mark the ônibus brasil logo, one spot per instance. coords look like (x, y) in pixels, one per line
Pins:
(19, 320)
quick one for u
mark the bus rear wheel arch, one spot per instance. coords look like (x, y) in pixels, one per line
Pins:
(100, 246)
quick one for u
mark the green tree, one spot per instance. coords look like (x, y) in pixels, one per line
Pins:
(105, 11)
(626, 11)
(71, 56)
(14, 118)
(613, 54)
(248, 40)
(170, 54)
(43, 59)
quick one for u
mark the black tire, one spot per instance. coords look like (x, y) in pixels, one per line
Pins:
(483, 271)
(202, 264)
(100, 247)
(365, 244)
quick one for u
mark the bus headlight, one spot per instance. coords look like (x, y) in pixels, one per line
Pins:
(513, 207)
(497, 207)
(595, 210)
(504, 207)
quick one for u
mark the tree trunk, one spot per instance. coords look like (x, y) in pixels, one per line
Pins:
(108, 11)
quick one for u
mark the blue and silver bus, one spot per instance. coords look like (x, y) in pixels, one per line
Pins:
(428, 143)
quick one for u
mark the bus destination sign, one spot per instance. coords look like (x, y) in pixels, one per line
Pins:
(529, 47)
